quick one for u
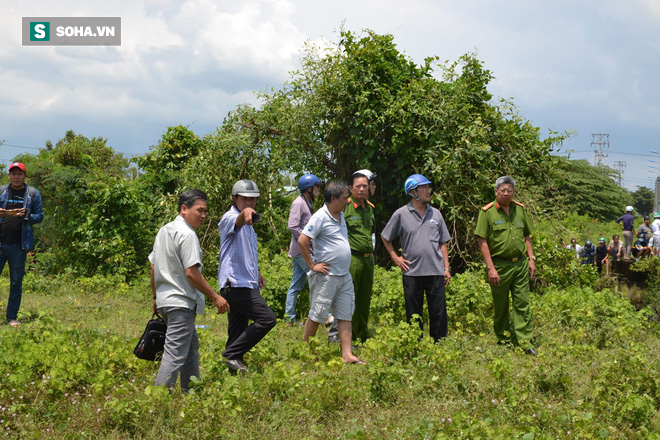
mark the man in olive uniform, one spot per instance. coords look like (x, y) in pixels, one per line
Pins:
(503, 234)
(359, 216)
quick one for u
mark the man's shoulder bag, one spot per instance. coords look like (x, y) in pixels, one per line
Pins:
(152, 343)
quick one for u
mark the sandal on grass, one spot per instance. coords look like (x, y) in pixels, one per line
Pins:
(356, 362)
(14, 323)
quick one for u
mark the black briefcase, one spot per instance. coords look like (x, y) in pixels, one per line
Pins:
(152, 343)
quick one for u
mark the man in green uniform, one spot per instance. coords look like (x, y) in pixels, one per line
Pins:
(503, 234)
(359, 215)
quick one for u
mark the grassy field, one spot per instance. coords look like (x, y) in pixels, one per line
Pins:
(69, 372)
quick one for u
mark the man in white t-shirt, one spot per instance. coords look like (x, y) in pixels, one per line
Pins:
(576, 248)
(330, 283)
(655, 240)
(179, 288)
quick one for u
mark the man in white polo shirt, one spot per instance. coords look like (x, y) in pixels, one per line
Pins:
(179, 287)
(330, 283)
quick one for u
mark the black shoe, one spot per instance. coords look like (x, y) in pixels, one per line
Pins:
(236, 365)
(531, 351)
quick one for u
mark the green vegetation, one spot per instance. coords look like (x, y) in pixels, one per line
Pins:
(69, 371)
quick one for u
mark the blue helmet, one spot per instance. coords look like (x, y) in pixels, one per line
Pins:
(308, 181)
(414, 181)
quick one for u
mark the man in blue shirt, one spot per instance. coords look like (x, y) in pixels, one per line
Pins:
(628, 229)
(239, 277)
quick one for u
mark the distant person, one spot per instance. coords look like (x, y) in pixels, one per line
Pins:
(641, 248)
(645, 231)
(588, 252)
(503, 235)
(330, 283)
(576, 248)
(601, 256)
(20, 208)
(239, 277)
(615, 248)
(626, 221)
(655, 240)
(424, 261)
(299, 214)
(179, 288)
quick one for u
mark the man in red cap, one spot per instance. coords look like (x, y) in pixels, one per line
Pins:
(20, 208)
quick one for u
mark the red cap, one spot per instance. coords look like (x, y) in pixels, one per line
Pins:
(17, 165)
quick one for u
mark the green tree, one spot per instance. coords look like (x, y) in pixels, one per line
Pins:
(587, 190)
(96, 219)
(643, 200)
(163, 163)
(242, 148)
(364, 104)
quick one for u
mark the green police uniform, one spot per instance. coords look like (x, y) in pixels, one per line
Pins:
(505, 235)
(360, 224)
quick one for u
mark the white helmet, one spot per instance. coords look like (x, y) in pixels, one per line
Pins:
(368, 174)
(245, 188)
(629, 208)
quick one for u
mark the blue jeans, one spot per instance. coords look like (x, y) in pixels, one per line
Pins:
(298, 279)
(15, 255)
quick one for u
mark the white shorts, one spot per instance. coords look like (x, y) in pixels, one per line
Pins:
(330, 292)
(655, 241)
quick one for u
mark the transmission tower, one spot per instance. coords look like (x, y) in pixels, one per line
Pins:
(599, 142)
(620, 165)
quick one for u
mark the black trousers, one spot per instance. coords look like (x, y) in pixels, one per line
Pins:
(413, 292)
(246, 304)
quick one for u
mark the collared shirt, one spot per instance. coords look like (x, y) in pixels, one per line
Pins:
(299, 215)
(360, 224)
(627, 219)
(239, 261)
(421, 239)
(504, 233)
(176, 248)
(330, 240)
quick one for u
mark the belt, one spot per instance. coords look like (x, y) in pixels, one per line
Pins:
(512, 260)
(360, 254)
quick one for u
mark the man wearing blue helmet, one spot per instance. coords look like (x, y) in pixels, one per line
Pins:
(425, 263)
(299, 214)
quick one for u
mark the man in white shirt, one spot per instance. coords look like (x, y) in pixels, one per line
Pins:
(576, 248)
(655, 240)
(179, 288)
(330, 283)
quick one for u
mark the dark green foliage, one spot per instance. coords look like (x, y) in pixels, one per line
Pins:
(163, 164)
(650, 267)
(643, 200)
(277, 270)
(588, 190)
(96, 220)
(367, 105)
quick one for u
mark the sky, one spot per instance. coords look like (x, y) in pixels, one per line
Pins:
(588, 66)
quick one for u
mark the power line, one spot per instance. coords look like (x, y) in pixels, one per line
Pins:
(19, 146)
